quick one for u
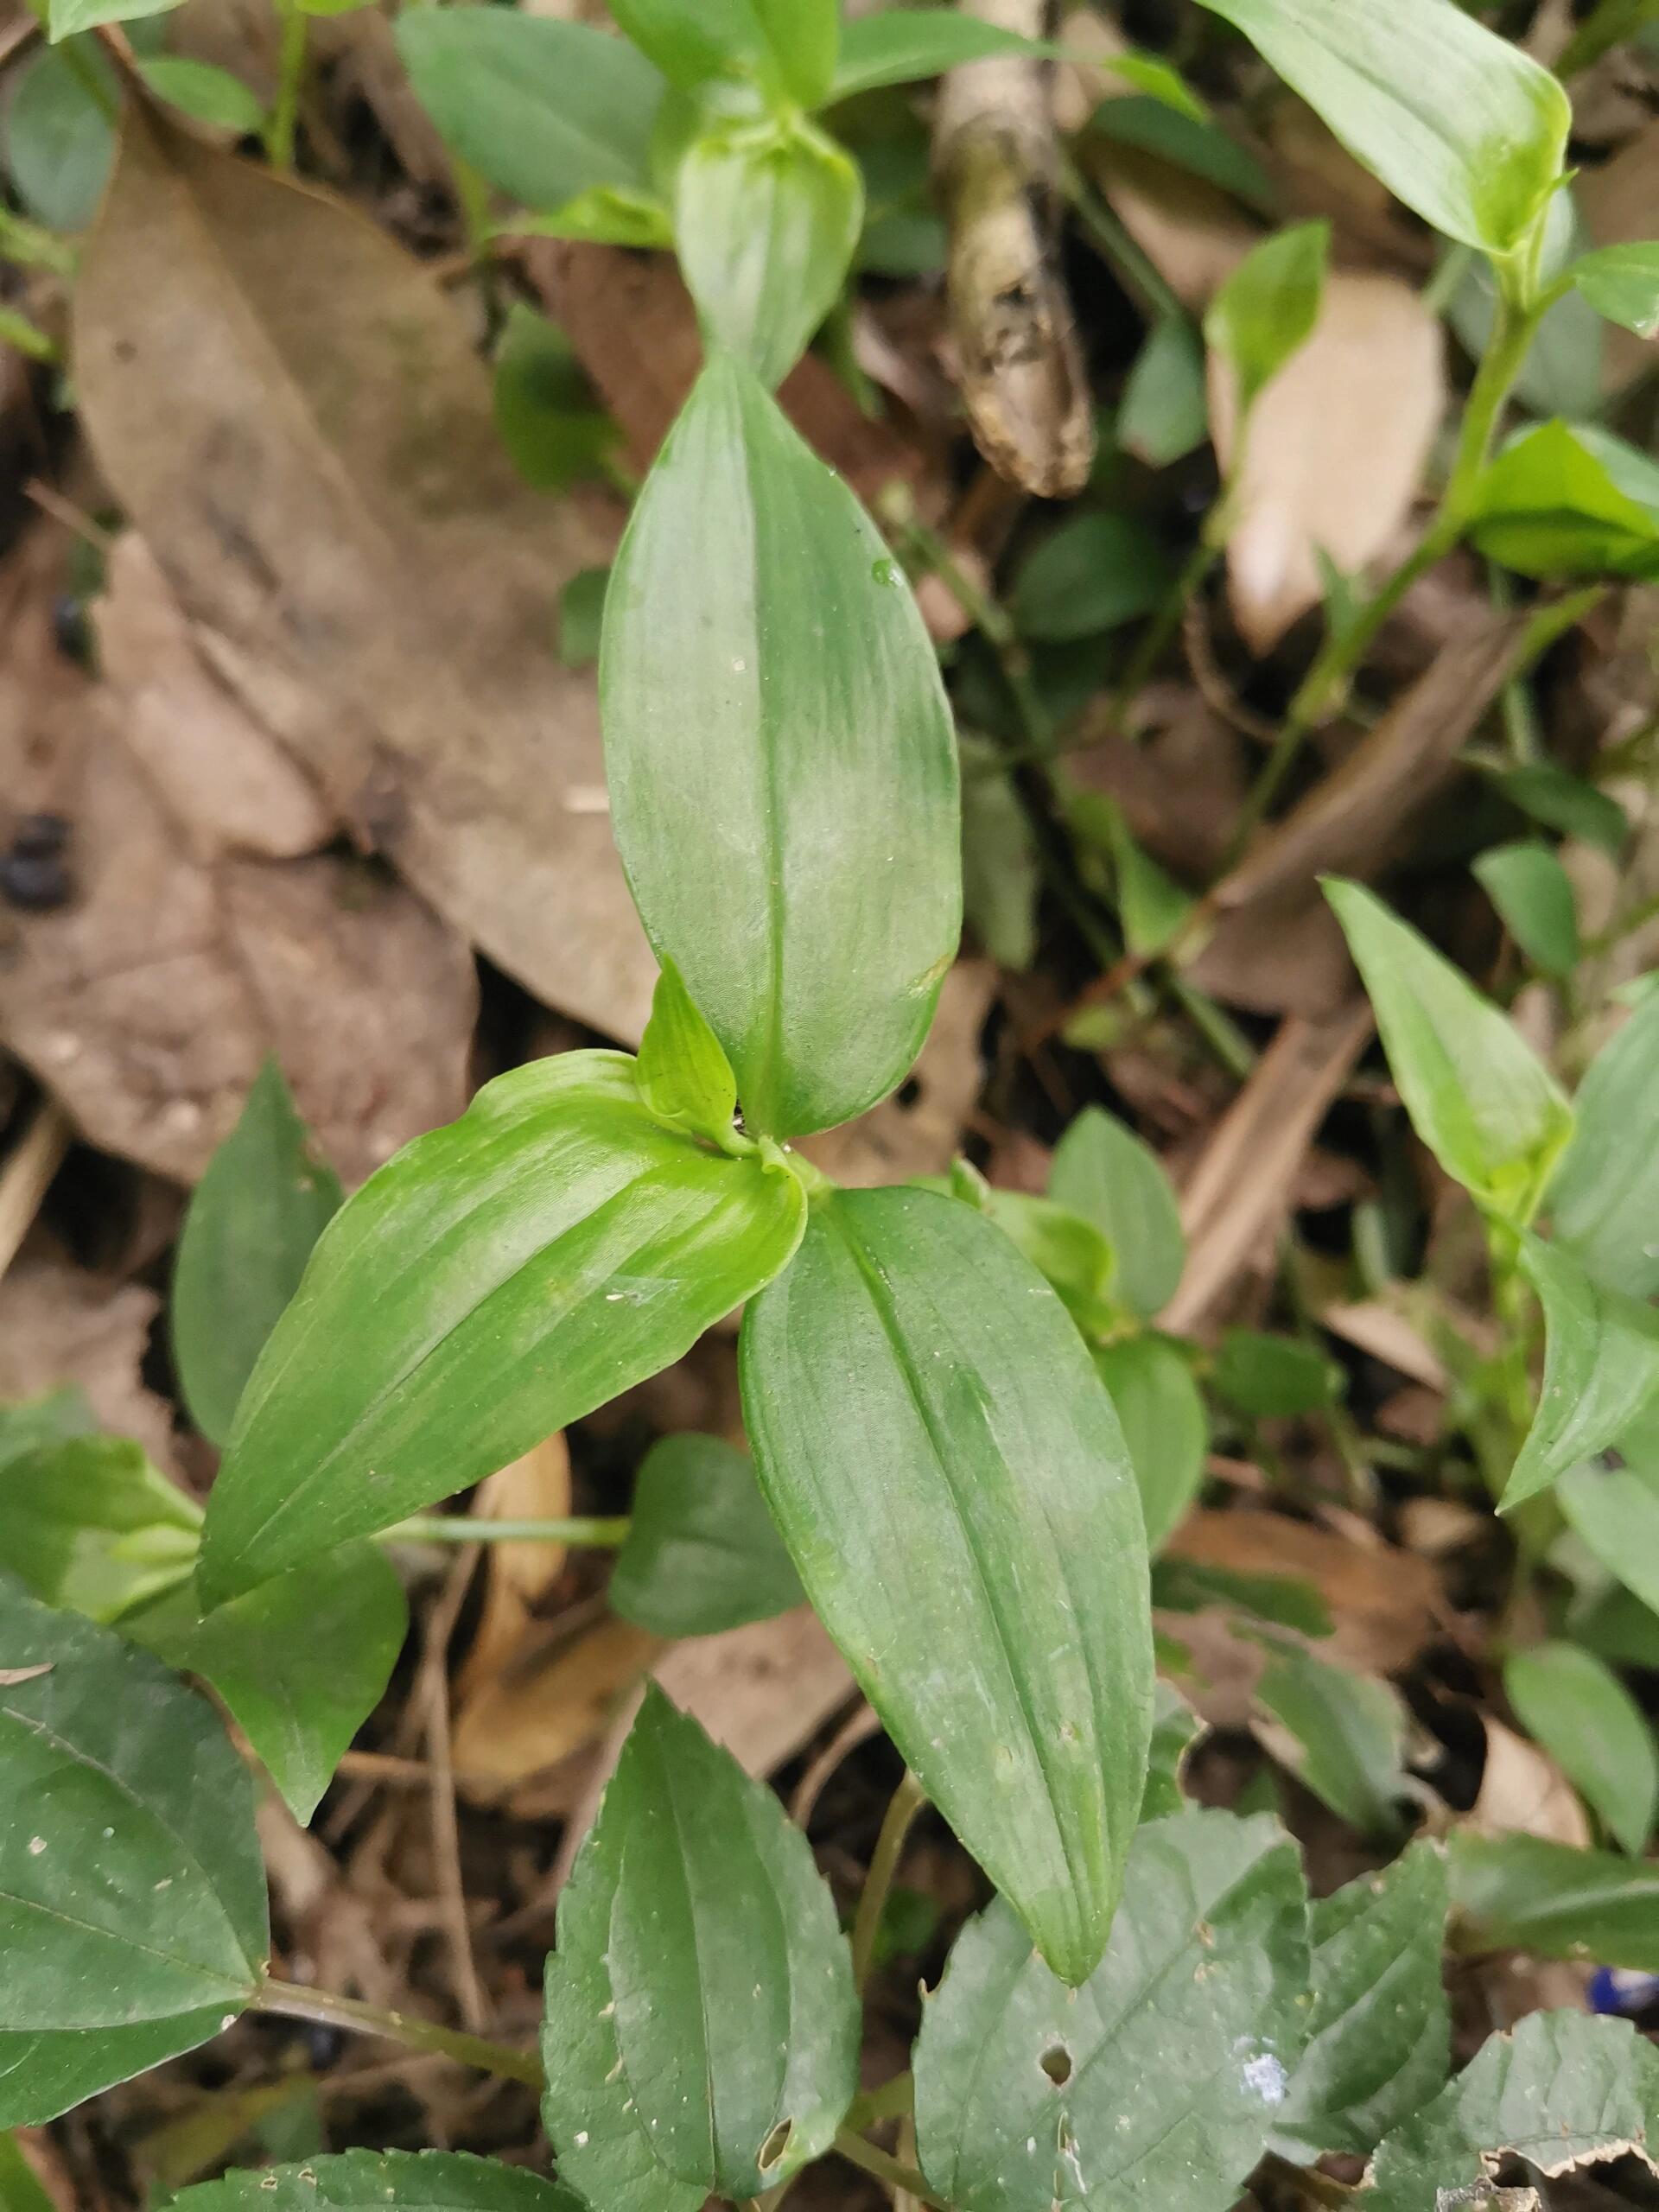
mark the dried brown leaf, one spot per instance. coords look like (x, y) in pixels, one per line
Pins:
(531, 1720)
(58, 1325)
(518, 1577)
(1523, 1792)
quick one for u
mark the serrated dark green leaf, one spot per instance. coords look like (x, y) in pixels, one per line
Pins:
(131, 1882)
(954, 1487)
(1265, 311)
(897, 46)
(90, 1524)
(1111, 1177)
(1348, 1736)
(1379, 2036)
(702, 2029)
(496, 1280)
(44, 2075)
(1578, 1709)
(1518, 1892)
(1601, 1370)
(1535, 900)
(406, 2181)
(806, 768)
(1604, 1203)
(702, 1552)
(1149, 1381)
(684, 1074)
(1155, 2084)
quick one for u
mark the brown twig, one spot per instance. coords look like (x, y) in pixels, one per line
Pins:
(26, 1175)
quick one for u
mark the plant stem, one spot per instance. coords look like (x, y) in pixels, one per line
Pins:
(295, 2002)
(858, 2152)
(906, 1802)
(290, 69)
(461, 1528)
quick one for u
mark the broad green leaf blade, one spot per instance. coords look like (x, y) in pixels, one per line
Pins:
(1152, 124)
(702, 1553)
(1559, 2090)
(1104, 1171)
(805, 766)
(950, 1477)
(1569, 501)
(1274, 1378)
(1149, 1381)
(1348, 1736)
(52, 1418)
(543, 109)
(381, 2181)
(1093, 574)
(90, 1524)
(1518, 1893)
(1614, 1512)
(701, 2030)
(1458, 122)
(1601, 1370)
(301, 1662)
(131, 1882)
(1155, 2084)
(1191, 1586)
(64, 17)
(691, 41)
(1265, 312)
(900, 45)
(1166, 410)
(1594, 1729)
(1622, 282)
(544, 409)
(201, 90)
(804, 35)
(1069, 1252)
(1534, 900)
(1379, 2035)
(59, 141)
(1604, 1203)
(683, 1075)
(494, 1282)
(1175, 1729)
(1485, 1105)
(263, 1202)
(1568, 803)
(44, 2075)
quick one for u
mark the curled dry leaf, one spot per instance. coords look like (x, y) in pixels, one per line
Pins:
(518, 1577)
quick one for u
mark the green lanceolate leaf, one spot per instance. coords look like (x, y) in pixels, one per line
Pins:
(701, 2028)
(1155, 2084)
(1578, 1709)
(1274, 1378)
(702, 1553)
(1457, 122)
(204, 92)
(1614, 1512)
(950, 1477)
(1149, 1381)
(544, 110)
(263, 1202)
(494, 1282)
(1622, 282)
(691, 41)
(804, 36)
(1533, 897)
(1175, 1729)
(1569, 501)
(59, 141)
(1266, 311)
(897, 46)
(1104, 1171)
(1601, 1370)
(684, 1074)
(782, 770)
(1379, 2035)
(301, 1662)
(1348, 1734)
(381, 2181)
(1069, 1252)
(547, 417)
(1094, 573)
(1190, 1586)
(1559, 2090)
(1485, 1105)
(130, 1883)
(44, 2075)
(1518, 1893)
(90, 1524)
(1604, 1203)
(1166, 410)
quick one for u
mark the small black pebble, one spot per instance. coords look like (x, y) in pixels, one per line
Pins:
(35, 881)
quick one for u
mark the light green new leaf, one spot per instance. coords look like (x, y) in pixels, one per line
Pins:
(782, 767)
(683, 1075)
(1165, 409)
(1604, 1203)
(691, 41)
(495, 1282)
(1347, 1735)
(204, 92)
(131, 1882)
(1518, 1893)
(766, 218)
(381, 2181)
(301, 1662)
(1622, 282)
(1175, 1729)
(1559, 2090)
(1601, 1370)
(1093, 574)
(1266, 310)
(59, 141)
(804, 35)
(1149, 1381)
(702, 2032)
(251, 1223)
(1478, 1097)
(44, 2075)
(1594, 1729)
(702, 1553)
(1069, 1252)
(1379, 2036)
(1274, 1378)
(1104, 1171)
(1155, 2084)
(954, 1487)
(1533, 897)
(1569, 501)
(90, 1524)
(898, 45)
(543, 109)
(544, 409)
(1458, 122)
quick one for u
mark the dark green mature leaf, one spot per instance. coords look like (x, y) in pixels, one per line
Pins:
(1568, 803)
(701, 2028)
(683, 1075)
(1348, 1736)
(1616, 1624)
(1193, 143)
(1069, 1252)
(1457, 122)
(543, 109)
(59, 141)
(1094, 572)
(1149, 1381)
(20, 2186)
(301, 1662)
(66, 16)
(1165, 409)
(44, 2075)
(1622, 282)
(1191, 1586)
(1604, 1203)
(544, 410)
(494, 1282)
(90, 1524)
(1155, 2084)
(263, 1202)
(803, 766)
(1614, 1512)
(1001, 872)
(1379, 2036)
(1273, 1378)
(954, 1486)
(1601, 1370)
(1104, 1171)
(1478, 1097)
(1593, 1729)
(702, 1553)
(131, 1882)
(416, 2181)
(1569, 501)
(900, 45)
(1559, 2090)
(1516, 1892)
(1533, 897)
(1266, 310)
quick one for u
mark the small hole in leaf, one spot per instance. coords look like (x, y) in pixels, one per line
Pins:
(1057, 2064)
(775, 2145)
